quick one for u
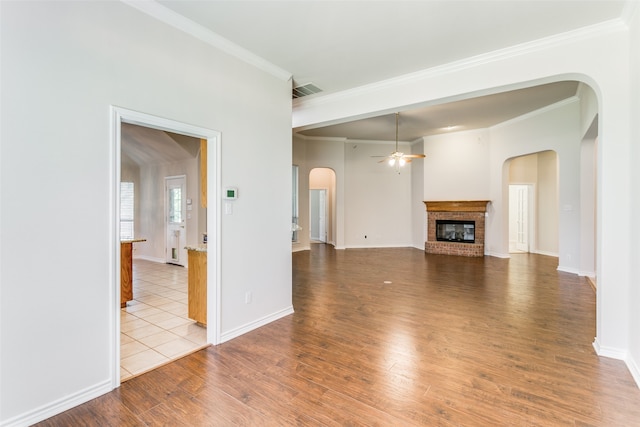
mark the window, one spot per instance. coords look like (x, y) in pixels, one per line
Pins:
(126, 210)
(294, 207)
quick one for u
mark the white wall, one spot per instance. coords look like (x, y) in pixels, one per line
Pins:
(547, 209)
(633, 301)
(601, 57)
(378, 198)
(418, 208)
(457, 166)
(60, 75)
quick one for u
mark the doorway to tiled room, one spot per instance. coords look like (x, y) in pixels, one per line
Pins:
(154, 326)
(156, 323)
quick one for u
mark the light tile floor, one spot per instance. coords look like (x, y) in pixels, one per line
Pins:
(154, 327)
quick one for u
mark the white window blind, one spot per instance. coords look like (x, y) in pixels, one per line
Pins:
(126, 210)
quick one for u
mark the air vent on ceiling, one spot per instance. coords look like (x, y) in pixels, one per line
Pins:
(304, 90)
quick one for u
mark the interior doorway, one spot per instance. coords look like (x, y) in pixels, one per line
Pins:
(322, 206)
(520, 217)
(121, 119)
(318, 215)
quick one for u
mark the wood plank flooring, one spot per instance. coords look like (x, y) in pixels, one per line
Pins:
(451, 341)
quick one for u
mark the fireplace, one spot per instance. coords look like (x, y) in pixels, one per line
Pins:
(451, 230)
(456, 227)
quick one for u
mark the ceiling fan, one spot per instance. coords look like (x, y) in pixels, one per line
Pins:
(398, 158)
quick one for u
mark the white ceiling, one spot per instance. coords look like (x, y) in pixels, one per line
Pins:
(340, 45)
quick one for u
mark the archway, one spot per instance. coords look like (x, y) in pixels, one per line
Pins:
(322, 205)
(533, 203)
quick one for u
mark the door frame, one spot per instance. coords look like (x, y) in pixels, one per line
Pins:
(118, 116)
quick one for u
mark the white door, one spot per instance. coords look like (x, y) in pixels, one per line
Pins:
(176, 207)
(318, 215)
(519, 218)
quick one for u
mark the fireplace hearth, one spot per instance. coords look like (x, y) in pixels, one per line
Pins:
(456, 227)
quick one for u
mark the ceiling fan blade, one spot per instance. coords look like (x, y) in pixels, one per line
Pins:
(414, 156)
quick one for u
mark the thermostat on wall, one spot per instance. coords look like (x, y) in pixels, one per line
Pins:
(231, 193)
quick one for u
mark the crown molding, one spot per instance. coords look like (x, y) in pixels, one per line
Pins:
(169, 17)
(320, 138)
(583, 33)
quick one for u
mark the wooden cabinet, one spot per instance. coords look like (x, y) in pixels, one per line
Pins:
(126, 270)
(126, 273)
(198, 286)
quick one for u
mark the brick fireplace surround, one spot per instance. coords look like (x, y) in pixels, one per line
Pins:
(471, 210)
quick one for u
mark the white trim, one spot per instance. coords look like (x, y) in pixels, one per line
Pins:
(587, 273)
(611, 352)
(545, 253)
(568, 270)
(121, 115)
(234, 333)
(498, 254)
(59, 406)
(169, 17)
(619, 354)
(375, 246)
(633, 368)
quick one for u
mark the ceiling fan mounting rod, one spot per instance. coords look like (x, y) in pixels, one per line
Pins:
(397, 117)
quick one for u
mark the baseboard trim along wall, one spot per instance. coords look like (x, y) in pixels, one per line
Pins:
(59, 406)
(234, 333)
(616, 353)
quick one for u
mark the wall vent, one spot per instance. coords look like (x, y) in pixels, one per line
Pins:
(304, 90)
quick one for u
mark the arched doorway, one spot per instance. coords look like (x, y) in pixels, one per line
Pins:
(322, 205)
(533, 203)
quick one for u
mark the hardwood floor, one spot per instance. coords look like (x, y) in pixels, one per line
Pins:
(451, 341)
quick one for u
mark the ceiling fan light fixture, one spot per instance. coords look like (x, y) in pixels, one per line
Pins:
(398, 159)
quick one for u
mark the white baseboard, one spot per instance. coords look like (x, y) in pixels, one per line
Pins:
(587, 273)
(299, 248)
(611, 352)
(568, 269)
(497, 254)
(545, 253)
(234, 333)
(58, 406)
(634, 369)
(619, 354)
(374, 246)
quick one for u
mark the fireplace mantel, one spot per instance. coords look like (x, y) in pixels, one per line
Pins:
(458, 210)
(457, 206)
